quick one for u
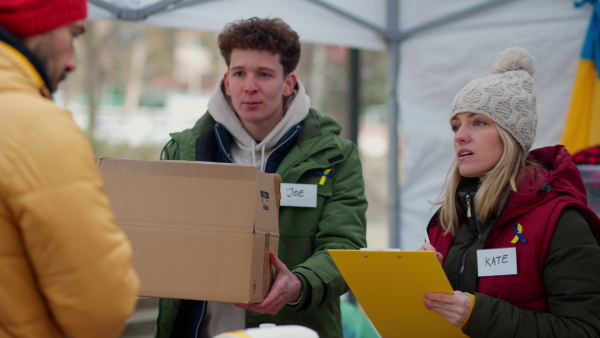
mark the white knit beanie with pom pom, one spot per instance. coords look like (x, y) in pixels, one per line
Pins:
(506, 96)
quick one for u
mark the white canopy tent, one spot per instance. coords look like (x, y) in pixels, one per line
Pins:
(434, 48)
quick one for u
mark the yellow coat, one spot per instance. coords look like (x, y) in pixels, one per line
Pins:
(64, 265)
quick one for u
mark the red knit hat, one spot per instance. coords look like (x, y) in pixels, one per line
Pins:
(24, 18)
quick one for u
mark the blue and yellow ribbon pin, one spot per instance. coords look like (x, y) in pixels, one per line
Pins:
(518, 230)
(324, 175)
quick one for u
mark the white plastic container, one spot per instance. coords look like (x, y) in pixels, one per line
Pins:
(272, 331)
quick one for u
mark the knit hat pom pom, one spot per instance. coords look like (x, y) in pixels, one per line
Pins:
(514, 58)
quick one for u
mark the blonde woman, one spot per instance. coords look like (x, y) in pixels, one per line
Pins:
(514, 234)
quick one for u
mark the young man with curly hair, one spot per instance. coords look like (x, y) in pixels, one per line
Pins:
(260, 114)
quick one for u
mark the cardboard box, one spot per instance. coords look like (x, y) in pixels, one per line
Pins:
(199, 230)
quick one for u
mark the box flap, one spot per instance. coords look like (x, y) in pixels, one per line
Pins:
(216, 195)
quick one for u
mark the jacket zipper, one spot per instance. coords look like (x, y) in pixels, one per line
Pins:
(222, 147)
(468, 206)
(464, 258)
(466, 253)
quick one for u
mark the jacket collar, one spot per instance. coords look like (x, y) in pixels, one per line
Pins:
(28, 62)
(554, 176)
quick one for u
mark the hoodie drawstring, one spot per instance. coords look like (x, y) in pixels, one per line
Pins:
(262, 156)
(253, 149)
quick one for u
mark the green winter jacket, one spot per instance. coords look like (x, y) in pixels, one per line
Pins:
(338, 222)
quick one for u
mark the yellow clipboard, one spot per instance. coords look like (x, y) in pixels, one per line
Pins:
(389, 285)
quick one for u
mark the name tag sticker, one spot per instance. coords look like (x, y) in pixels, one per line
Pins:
(496, 262)
(298, 195)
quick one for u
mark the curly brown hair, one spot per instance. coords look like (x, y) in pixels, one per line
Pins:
(271, 35)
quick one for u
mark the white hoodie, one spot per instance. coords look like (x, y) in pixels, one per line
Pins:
(244, 148)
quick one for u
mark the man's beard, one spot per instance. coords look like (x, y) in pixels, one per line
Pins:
(43, 50)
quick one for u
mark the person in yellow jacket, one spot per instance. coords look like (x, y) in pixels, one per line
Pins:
(65, 268)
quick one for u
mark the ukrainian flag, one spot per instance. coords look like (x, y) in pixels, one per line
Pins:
(582, 128)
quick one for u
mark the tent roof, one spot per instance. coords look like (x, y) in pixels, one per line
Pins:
(333, 22)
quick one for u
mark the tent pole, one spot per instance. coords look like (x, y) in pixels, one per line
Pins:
(393, 62)
(109, 7)
(354, 91)
(354, 101)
